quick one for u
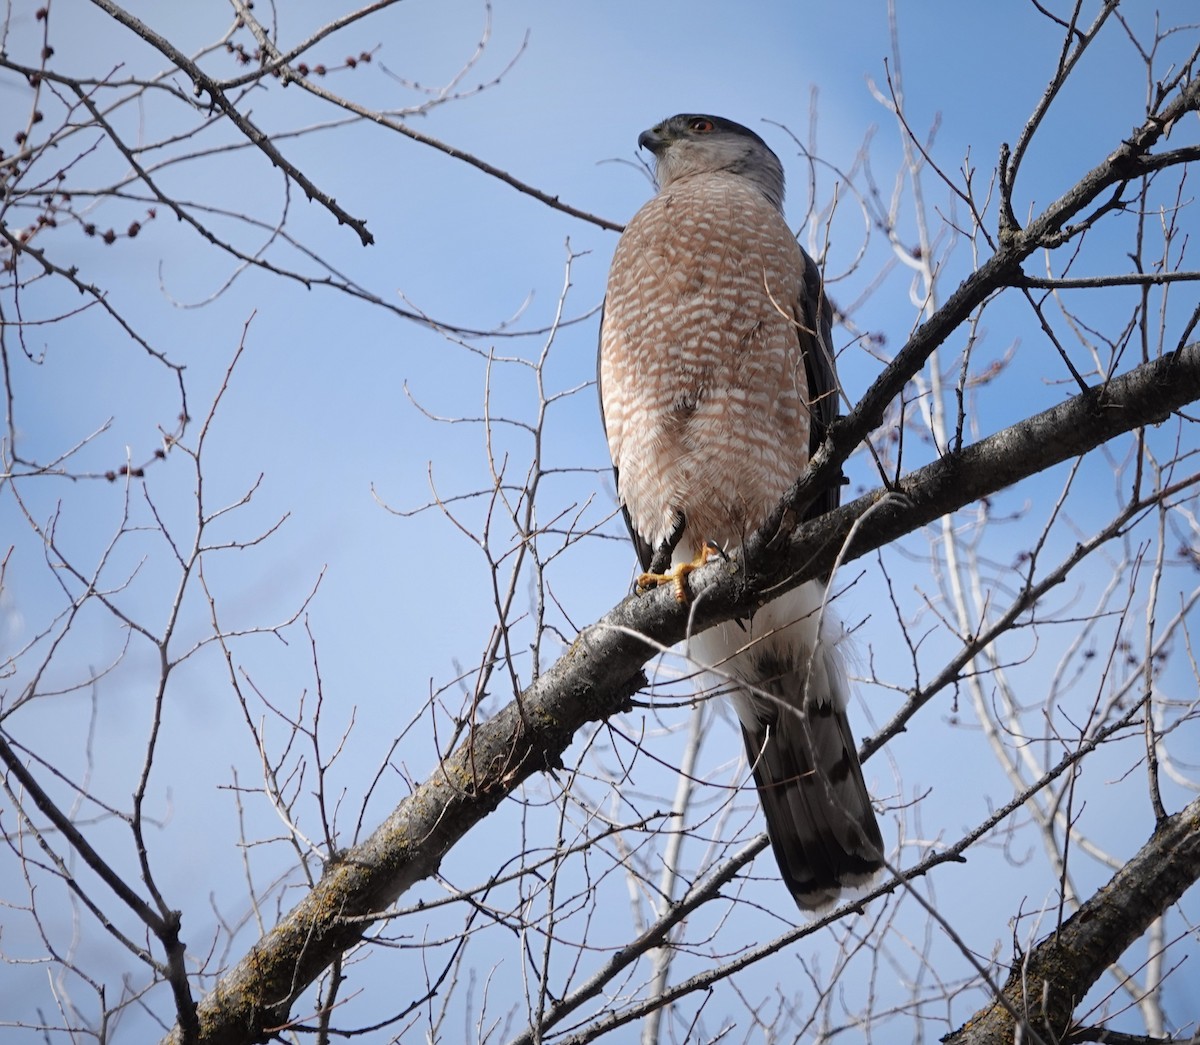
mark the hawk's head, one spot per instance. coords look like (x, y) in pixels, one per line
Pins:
(692, 143)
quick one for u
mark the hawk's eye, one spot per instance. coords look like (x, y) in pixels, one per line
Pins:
(701, 126)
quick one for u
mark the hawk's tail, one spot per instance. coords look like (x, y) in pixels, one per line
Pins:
(792, 710)
(819, 815)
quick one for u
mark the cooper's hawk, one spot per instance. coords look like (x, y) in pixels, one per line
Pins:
(717, 383)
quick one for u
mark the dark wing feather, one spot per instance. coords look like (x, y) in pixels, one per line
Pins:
(816, 342)
(645, 553)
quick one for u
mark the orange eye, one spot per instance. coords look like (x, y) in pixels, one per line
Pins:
(701, 126)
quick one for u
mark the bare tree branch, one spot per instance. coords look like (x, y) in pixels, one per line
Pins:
(1049, 982)
(204, 84)
(1023, 590)
(603, 669)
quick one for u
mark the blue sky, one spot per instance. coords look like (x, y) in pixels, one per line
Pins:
(317, 422)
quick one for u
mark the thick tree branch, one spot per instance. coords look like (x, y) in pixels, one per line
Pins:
(603, 669)
(1049, 982)
(1144, 396)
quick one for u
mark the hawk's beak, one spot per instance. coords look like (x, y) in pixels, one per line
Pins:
(652, 140)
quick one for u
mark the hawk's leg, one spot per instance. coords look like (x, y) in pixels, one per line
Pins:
(676, 576)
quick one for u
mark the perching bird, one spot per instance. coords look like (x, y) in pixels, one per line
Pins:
(717, 383)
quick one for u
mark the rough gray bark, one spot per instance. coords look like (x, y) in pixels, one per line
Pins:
(603, 669)
(1045, 985)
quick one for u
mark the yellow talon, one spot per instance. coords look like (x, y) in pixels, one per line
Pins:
(676, 576)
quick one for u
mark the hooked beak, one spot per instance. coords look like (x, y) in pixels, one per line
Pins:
(652, 140)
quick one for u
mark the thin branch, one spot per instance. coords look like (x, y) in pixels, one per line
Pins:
(203, 83)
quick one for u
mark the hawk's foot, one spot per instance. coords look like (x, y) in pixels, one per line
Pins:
(676, 576)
